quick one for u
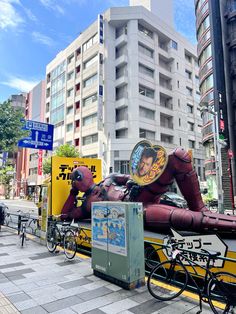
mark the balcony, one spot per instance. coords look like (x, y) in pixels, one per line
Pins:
(231, 40)
(230, 12)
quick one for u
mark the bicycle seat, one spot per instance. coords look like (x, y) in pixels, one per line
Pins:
(212, 254)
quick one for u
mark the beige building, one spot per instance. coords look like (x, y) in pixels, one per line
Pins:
(128, 76)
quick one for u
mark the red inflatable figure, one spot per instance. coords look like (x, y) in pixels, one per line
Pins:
(157, 216)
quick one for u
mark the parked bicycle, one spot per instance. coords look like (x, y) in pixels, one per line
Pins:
(61, 233)
(23, 219)
(170, 278)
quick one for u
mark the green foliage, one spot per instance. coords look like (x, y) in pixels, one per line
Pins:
(6, 177)
(65, 150)
(10, 126)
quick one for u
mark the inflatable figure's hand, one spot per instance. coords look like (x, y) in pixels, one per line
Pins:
(74, 191)
(130, 183)
(134, 191)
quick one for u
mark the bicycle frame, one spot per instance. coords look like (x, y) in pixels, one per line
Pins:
(178, 255)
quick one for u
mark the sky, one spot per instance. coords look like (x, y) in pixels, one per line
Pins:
(32, 32)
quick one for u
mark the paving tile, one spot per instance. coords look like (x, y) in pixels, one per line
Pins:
(148, 307)
(11, 265)
(61, 304)
(34, 310)
(119, 306)
(94, 293)
(18, 297)
(19, 272)
(96, 311)
(74, 283)
(64, 311)
(23, 305)
(3, 254)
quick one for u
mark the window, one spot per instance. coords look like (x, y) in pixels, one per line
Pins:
(122, 114)
(207, 84)
(91, 61)
(188, 74)
(69, 127)
(90, 119)
(122, 166)
(90, 81)
(145, 50)
(69, 110)
(179, 122)
(146, 71)
(90, 100)
(70, 75)
(191, 144)
(122, 133)
(89, 43)
(70, 58)
(145, 31)
(166, 121)
(188, 58)
(121, 92)
(174, 44)
(121, 71)
(146, 113)
(145, 91)
(206, 54)
(90, 139)
(189, 91)
(150, 135)
(121, 30)
(70, 92)
(120, 51)
(167, 138)
(191, 126)
(189, 108)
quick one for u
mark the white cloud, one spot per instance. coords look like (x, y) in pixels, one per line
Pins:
(9, 17)
(20, 84)
(30, 15)
(43, 39)
(52, 5)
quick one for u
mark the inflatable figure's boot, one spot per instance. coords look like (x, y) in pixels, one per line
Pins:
(160, 218)
(187, 180)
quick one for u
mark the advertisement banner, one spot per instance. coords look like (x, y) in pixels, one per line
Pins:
(62, 168)
(40, 162)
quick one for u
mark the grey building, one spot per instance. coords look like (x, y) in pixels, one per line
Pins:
(128, 76)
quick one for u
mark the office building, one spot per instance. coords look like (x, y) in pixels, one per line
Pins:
(129, 76)
(216, 52)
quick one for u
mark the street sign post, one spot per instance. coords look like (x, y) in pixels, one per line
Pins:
(40, 137)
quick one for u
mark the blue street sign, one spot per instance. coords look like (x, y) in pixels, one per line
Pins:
(40, 137)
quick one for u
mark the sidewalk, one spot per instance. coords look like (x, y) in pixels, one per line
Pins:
(34, 281)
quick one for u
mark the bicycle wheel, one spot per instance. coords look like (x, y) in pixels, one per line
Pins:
(52, 238)
(221, 292)
(167, 280)
(70, 246)
(151, 257)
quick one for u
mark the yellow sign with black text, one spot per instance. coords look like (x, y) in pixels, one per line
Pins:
(62, 168)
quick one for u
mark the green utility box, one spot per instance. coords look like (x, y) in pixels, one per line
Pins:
(118, 243)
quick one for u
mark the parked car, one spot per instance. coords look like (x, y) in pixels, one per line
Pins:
(173, 199)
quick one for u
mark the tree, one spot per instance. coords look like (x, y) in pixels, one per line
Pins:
(65, 150)
(6, 177)
(11, 123)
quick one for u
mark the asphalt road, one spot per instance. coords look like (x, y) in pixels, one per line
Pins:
(22, 205)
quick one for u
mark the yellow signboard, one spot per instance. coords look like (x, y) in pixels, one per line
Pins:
(62, 168)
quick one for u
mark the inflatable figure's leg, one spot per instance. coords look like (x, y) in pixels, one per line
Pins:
(161, 217)
(180, 167)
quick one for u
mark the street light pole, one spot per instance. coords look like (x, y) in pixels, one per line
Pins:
(218, 161)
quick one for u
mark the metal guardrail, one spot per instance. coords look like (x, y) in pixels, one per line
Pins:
(13, 220)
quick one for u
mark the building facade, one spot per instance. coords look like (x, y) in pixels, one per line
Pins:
(127, 77)
(214, 51)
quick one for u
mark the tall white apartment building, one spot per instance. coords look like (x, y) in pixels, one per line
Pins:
(128, 76)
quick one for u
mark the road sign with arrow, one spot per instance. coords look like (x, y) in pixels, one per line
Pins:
(40, 135)
(195, 243)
